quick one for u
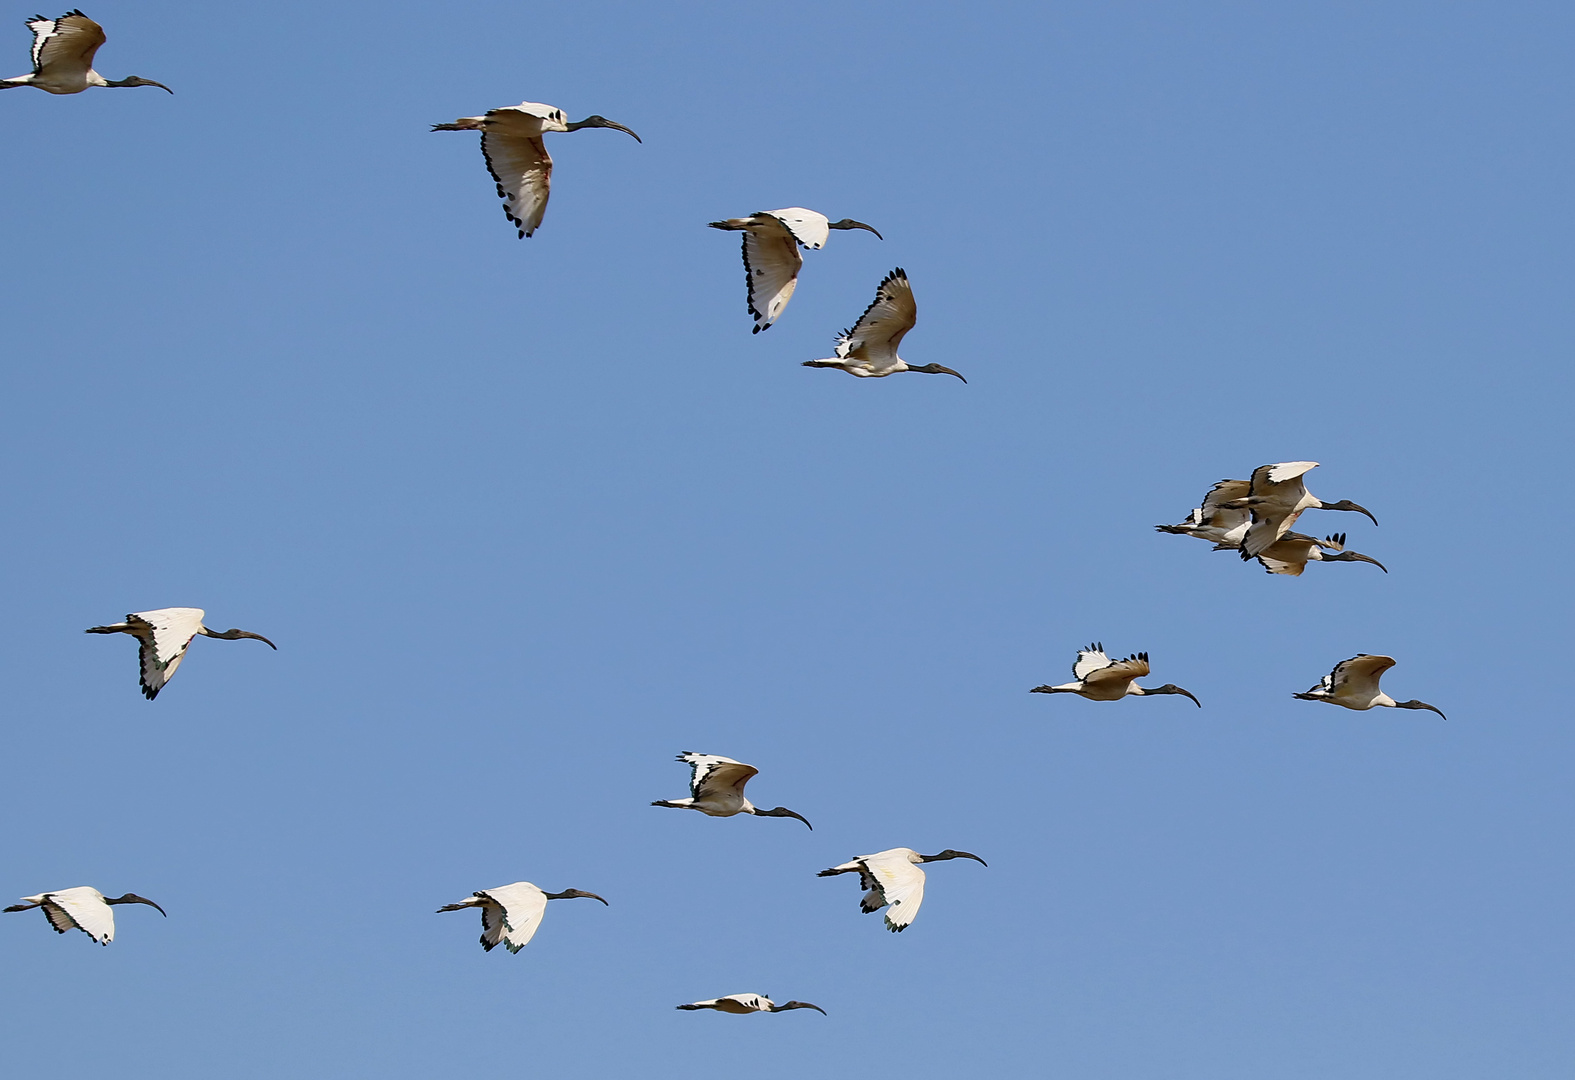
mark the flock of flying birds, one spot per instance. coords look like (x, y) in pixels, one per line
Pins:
(1253, 517)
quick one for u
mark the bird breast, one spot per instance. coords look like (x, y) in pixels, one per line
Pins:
(722, 804)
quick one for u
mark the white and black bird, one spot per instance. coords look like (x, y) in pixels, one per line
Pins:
(1214, 522)
(1354, 684)
(164, 635)
(1276, 497)
(869, 350)
(518, 159)
(716, 788)
(63, 51)
(892, 880)
(741, 1004)
(511, 914)
(771, 257)
(1291, 553)
(83, 908)
(1099, 678)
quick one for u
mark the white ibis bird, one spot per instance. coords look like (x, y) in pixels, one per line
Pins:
(716, 788)
(869, 350)
(742, 1004)
(510, 914)
(1277, 496)
(63, 51)
(1213, 521)
(164, 635)
(1099, 678)
(894, 881)
(518, 159)
(771, 258)
(83, 908)
(1291, 553)
(1354, 684)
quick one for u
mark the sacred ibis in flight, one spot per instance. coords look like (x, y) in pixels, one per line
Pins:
(771, 259)
(1099, 678)
(894, 881)
(1212, 521)
(741, 1004)
(63, 51)
(83, 908)
(164, 635)
(716, 788)
(510, 914)
(1354, 684)
(1291, 553)
(518, 159)
(869, 350)
(1276, 497)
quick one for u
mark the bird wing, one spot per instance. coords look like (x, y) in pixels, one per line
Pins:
(65, 45)
(901, 885)
(1358, 677)
(1223, 492)
(808, 227)
(523, 171)
(1267, 530)
(1089, 660)
(492, 927)
(1289, 567)
(1280, 473)
(711, 774)
(1133, 667)
(880, 330)
(522, 905)
(57, 916)
(164, 636)
(1278, 483)
(85, 909)
(771, 265)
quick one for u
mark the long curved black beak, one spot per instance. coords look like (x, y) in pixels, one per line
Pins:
(1172, 688)
(138, 80)
(602, 122)
(133, 898)
(783, 811)
(235, 635)
(1414, 704)
(949, 853)
(1347, 504)
(849, 223)
(936, 369)
(1355, 556)
(570, 894)
(785, 1006)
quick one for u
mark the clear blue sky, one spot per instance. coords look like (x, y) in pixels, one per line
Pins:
(526, 518)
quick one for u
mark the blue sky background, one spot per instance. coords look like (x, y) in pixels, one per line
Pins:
(526, 518)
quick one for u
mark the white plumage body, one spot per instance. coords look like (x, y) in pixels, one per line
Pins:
(517, 158)
(1354, 684)
(511, 914)
(743, 1004)
(1290, 554)
(892, 880)
(1099, 678)
(164, 635)
(771, 254)
(1277, 495)
(716, 789)
(63, 52)
(81, 908)
(1223, 526)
